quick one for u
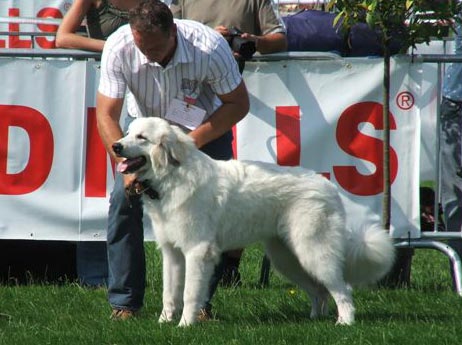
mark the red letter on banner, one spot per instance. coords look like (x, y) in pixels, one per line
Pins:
(234, 144)
(41, 149)
(288, 135)
(356, 144)
(47, 12)
(15, 41)
(96, 160)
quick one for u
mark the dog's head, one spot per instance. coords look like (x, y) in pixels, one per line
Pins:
(151, 146)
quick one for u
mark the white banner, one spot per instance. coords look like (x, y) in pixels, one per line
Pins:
(337, 106)
(55, 177)
(41, 148)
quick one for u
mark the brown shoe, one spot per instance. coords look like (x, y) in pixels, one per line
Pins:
(205, 315)
(123, 314)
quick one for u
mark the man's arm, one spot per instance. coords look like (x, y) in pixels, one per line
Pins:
(234, 108)
(273, 34)
(265, 44)
(270, 43)
(108, 112)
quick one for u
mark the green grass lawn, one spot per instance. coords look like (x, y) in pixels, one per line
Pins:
(428, 312)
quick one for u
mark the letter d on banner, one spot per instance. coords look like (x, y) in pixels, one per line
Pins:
(41, 149)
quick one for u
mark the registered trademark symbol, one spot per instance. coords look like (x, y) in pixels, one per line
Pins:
(405, 100)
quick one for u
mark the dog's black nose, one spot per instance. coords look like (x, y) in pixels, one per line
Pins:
(117, 148)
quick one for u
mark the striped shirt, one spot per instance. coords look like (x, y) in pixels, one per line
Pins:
(202, 67)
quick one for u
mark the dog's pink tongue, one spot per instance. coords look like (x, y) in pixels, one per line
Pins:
(122, 166)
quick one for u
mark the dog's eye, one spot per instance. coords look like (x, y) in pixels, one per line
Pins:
(141, 137)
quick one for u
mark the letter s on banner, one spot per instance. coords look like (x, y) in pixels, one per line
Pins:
(356, 144)
(48, 12)
(41, 151)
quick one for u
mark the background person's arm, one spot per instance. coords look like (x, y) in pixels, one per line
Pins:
(66, 36)
(270, 43)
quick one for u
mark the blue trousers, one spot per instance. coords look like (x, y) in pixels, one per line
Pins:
(125, 239)
(451, 165)
(451, 168)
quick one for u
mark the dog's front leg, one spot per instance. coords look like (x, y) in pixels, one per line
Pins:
(173, 267)
(200, 264)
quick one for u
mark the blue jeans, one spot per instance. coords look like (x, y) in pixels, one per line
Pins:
(125, 237)
(91, 260)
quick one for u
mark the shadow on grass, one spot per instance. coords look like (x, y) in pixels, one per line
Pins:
(374, 311)
(299, 317)
(271, 316)
(400, 317)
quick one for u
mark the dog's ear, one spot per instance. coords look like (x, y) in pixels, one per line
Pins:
(168, 151)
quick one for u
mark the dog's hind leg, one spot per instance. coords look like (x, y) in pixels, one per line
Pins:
(344, 301)
(325, 265)
(284, 260)
(200, 264)
(173, 270)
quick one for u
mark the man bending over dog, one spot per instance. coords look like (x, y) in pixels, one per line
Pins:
(179, 70)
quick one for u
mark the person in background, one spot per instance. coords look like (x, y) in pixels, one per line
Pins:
(451, 145)
(258, 21)
(163, 63)
(102, 18)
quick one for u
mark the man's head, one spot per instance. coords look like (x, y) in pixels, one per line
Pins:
(153, 30)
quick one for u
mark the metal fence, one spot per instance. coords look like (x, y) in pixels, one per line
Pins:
(428, 240)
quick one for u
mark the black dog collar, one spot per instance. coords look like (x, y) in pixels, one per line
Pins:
(148, 190)
(140, 187)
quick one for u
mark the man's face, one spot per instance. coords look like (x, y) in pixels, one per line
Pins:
(157, 46)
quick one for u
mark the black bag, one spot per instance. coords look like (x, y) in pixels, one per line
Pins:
(312, 30)
(363, 41)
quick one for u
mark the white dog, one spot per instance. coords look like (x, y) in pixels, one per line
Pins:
(201, 207)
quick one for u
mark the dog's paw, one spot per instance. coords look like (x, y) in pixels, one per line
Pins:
(345, 321)
(165, 317)
(185, 323)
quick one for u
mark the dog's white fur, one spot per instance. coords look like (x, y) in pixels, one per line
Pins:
(206, 207)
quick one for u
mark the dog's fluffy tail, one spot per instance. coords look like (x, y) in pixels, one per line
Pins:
(369, 255)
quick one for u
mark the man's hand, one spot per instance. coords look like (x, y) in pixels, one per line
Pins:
(226, 33)
(129, 179)
(223, 30)
(132, 186)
